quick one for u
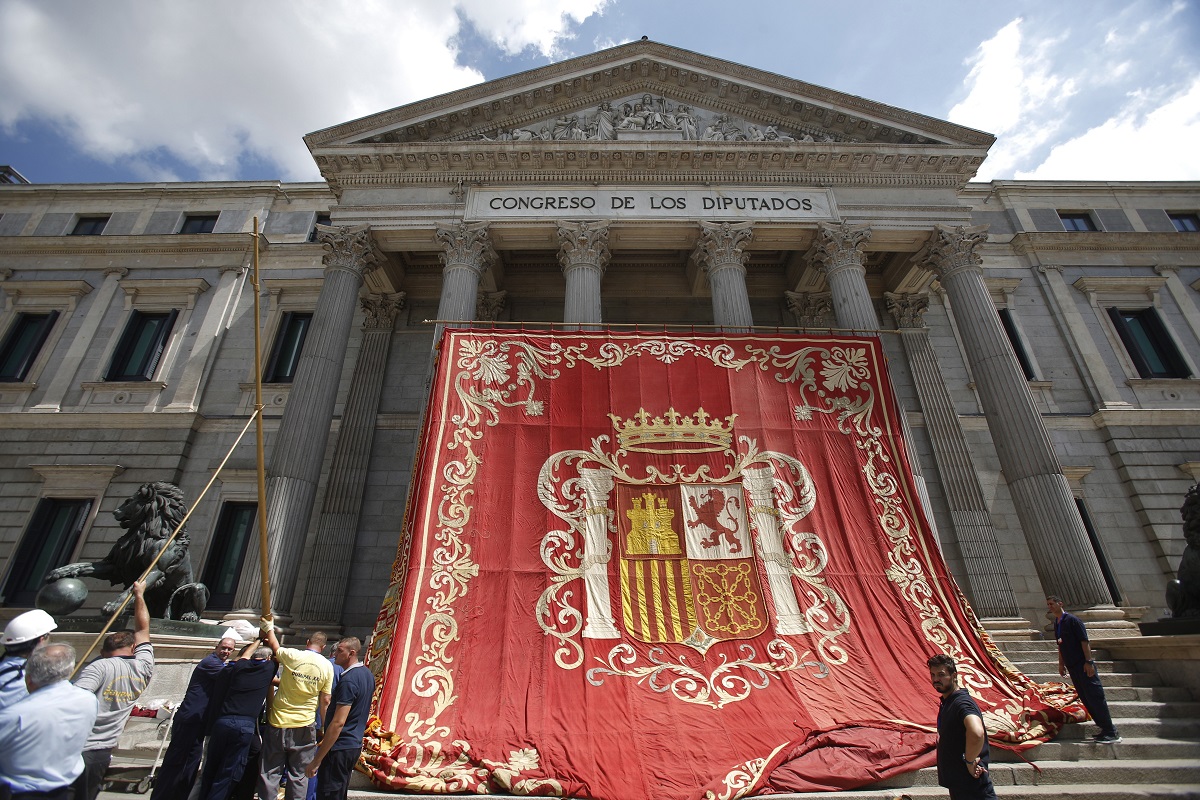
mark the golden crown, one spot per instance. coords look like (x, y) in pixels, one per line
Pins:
(673, 432)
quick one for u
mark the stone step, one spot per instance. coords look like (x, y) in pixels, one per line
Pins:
(1086, 791)
(1081, 749)
(1158, 694)
(1143, 679)
(1136, 709)
(1139, 728)
(1051, 665)
(1113, 771)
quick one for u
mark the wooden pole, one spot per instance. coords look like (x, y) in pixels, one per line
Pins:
(258, 431)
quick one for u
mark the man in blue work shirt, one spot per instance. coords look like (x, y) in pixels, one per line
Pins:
(182, 759)
(345, 723)
(42, 735)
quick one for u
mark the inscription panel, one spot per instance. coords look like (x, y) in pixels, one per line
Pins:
(749, 204)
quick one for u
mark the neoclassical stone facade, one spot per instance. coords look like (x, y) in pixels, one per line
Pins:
(1042, 337)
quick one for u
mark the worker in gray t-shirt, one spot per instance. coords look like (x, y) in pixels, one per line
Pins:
(117, 679)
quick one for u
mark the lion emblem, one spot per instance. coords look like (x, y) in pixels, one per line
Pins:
(149, 517)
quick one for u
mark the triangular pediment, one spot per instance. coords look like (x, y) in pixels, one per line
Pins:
(650, 91)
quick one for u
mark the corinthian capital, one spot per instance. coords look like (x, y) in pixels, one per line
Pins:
(490, 305)
(907, 309)
(953, 250)
(584, 244)
(349, 248)
(839, 245)
(721, 244)
(466, 246)
(812, 309)
(381, 310)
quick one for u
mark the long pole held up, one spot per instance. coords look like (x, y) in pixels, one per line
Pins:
(258, 432)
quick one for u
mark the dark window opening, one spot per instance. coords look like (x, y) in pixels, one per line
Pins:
(1150, 347)
(23, 343)
(1186, 223)
(199, 223)
(322, 219)
(142, 345)
(1018, 347)
(1109, 579)
(1076, 221)
(289, 344)
(89, 226)
(48, 543)
(223, 567)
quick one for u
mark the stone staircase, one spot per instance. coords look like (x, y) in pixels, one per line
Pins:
(1159, 756)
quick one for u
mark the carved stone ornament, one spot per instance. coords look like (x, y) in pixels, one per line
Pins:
(907, 309)
(839, 246)
(952, 250)
(721, 243)
(466, 245)
(381, 310)
(627, 117)
(350, 248)
(584, 244)
(490, 305)
(812, 309)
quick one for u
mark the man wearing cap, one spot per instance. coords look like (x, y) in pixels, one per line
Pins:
(117, 679)
(42, 734)
(22, 635)
(182, 758)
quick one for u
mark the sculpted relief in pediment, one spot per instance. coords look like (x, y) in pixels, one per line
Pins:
(649, 117)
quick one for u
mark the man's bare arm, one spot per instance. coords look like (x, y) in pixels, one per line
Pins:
(141, 614)
(340, 714)
(976, 735)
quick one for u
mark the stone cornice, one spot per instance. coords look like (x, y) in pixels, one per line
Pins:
(128, 245)
(1076, 241)
(650, 66)
(140, 191)
(683, 162)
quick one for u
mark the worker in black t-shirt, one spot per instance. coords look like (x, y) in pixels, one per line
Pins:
(1075, 657)
(962, 752)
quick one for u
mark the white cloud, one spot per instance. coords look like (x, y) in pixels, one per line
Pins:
(1012, 83)
(1135, 145)
(216, 83)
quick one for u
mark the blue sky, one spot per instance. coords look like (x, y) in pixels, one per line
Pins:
(134, 90)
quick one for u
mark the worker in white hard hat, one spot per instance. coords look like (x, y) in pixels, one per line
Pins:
(23, 634)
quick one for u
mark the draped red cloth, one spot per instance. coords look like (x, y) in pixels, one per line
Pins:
(669, 566)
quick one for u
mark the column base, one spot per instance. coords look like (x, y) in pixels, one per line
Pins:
(1110, 622)
(1010, 629)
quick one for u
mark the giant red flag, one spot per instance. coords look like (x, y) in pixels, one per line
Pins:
(669, 566)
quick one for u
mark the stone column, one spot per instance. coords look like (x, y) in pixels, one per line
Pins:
(583, 255)
(597, 550)
(719, 252)
(337, 525)
(467, 252)
(838, 252)
(299, 444)
(1062, 554)
(991, 592)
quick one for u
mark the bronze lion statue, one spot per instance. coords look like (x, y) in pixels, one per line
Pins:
(149, 517)
(1183, 594)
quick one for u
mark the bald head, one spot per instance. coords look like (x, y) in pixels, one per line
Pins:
(225, 648)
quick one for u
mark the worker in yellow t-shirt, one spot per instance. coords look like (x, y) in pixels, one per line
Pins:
(289, 740)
